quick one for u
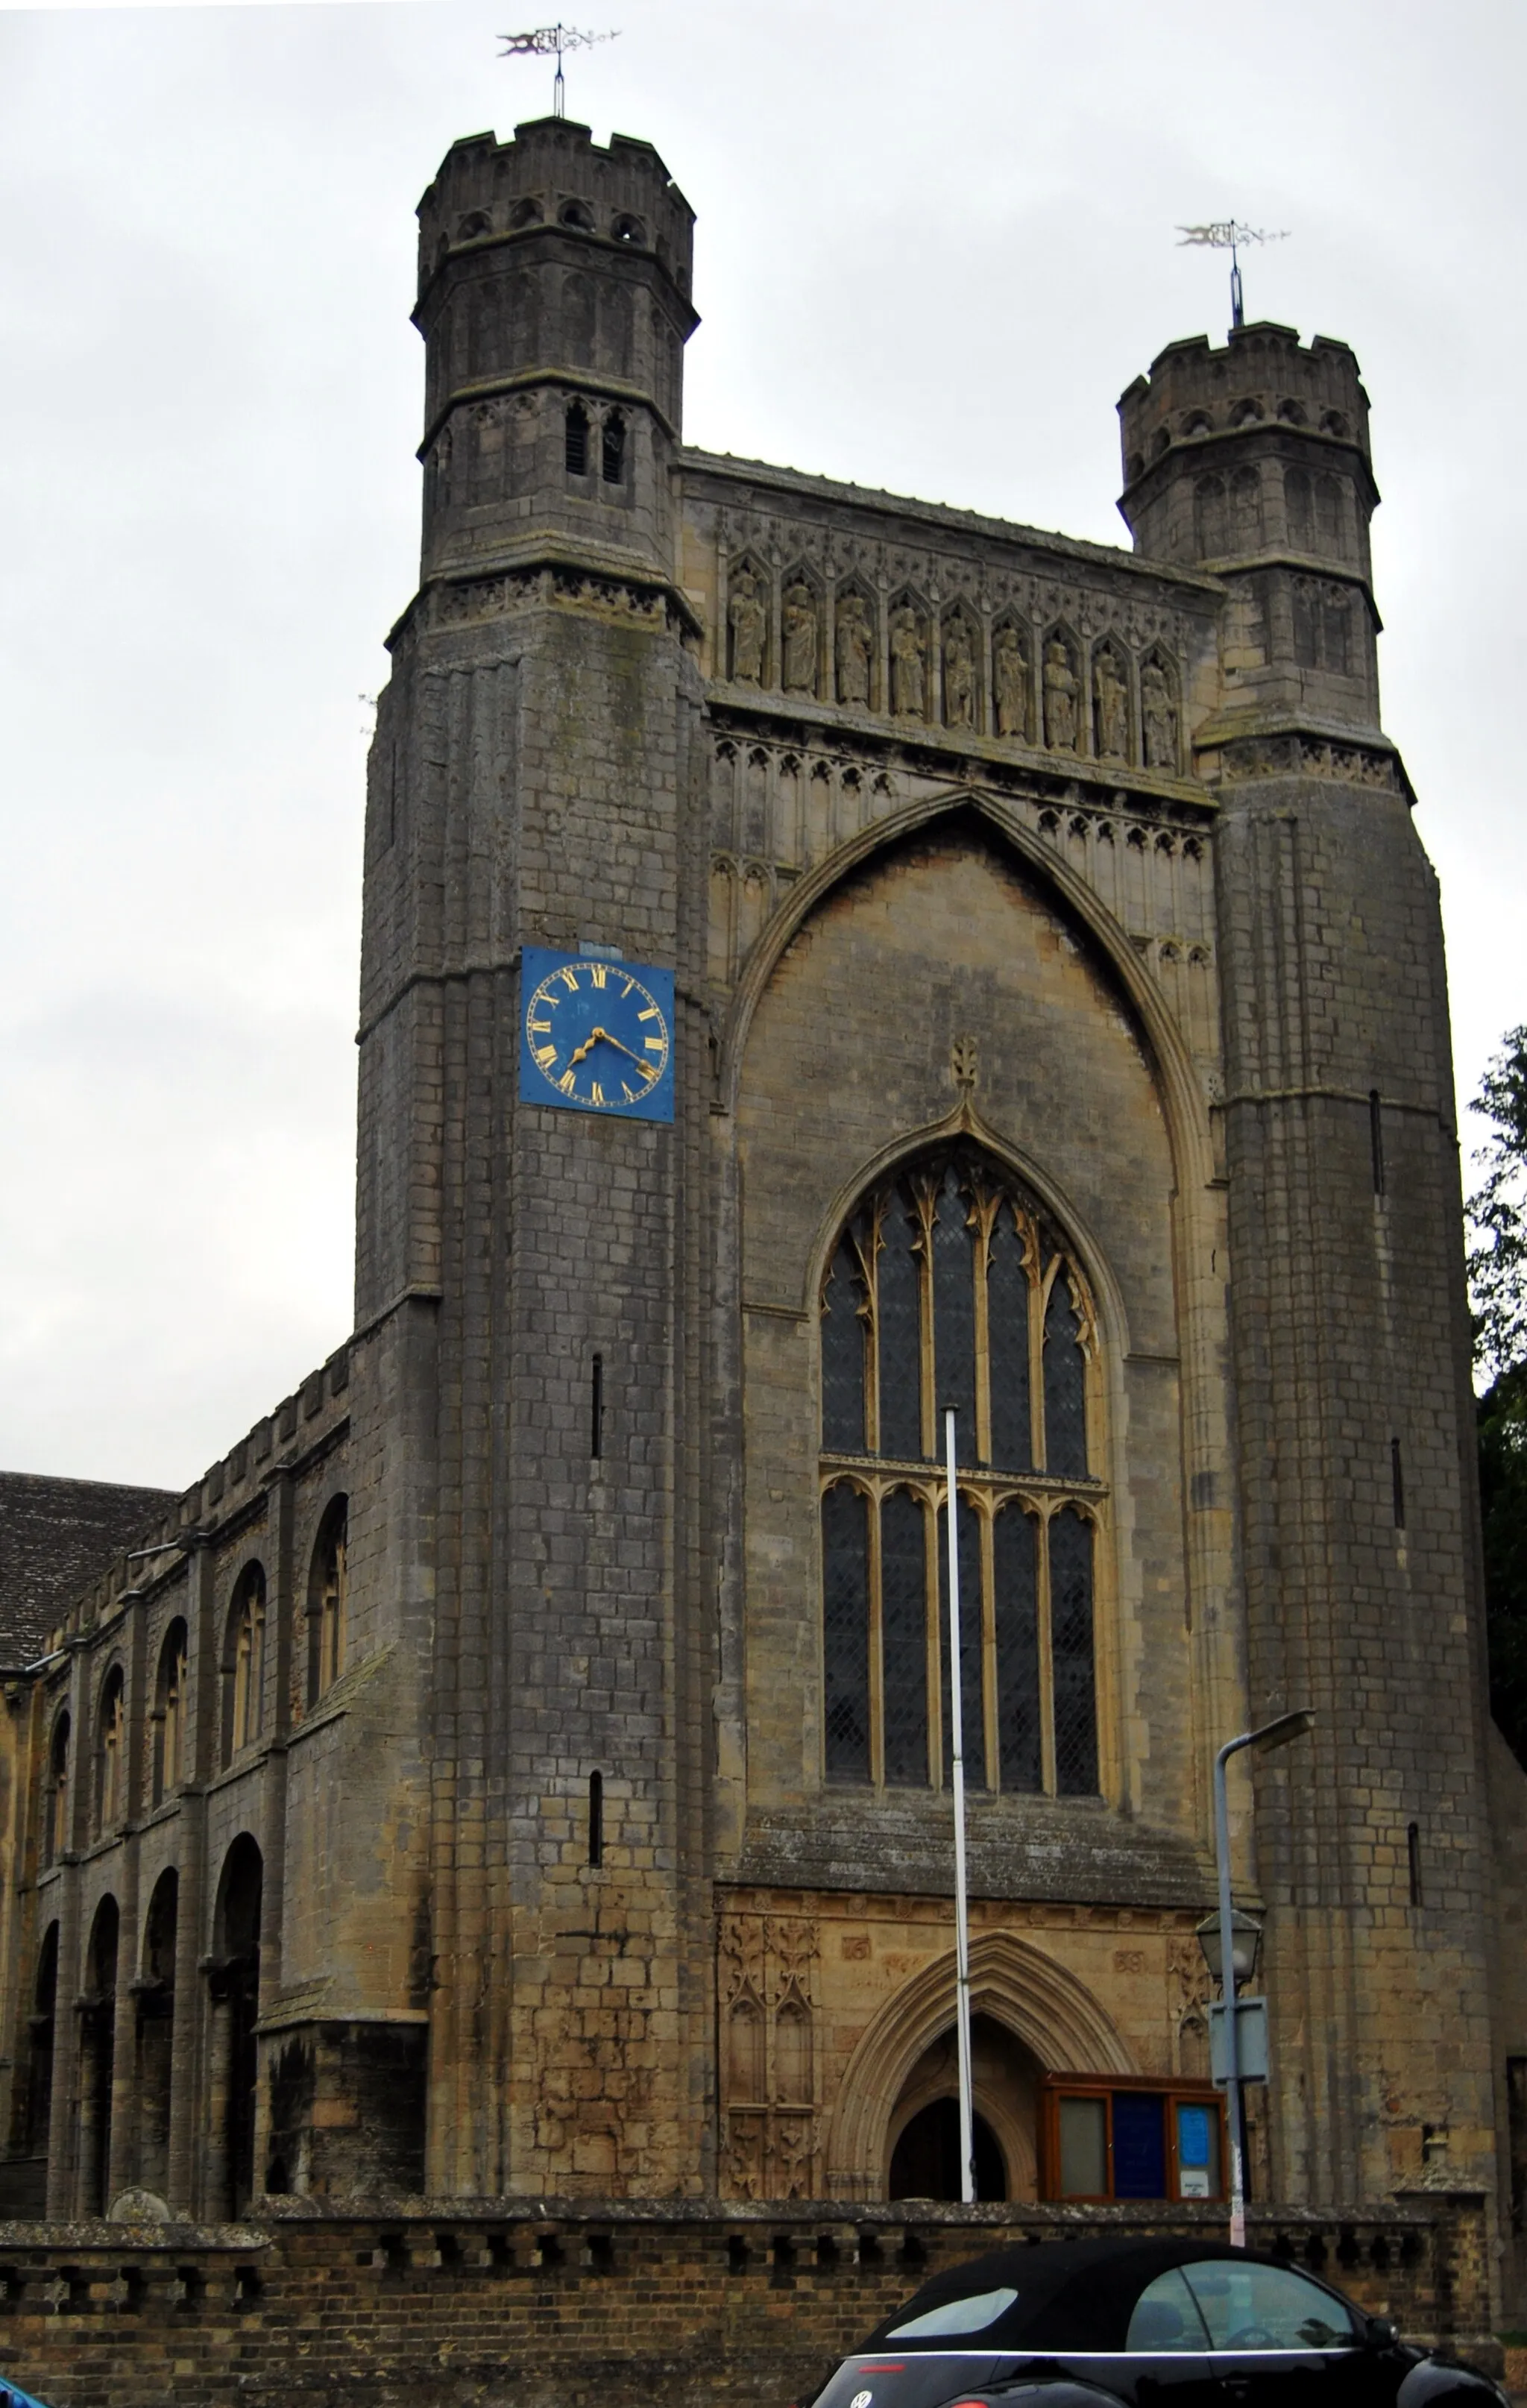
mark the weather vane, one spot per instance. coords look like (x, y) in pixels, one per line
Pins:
(550, 41)
(1227, 234)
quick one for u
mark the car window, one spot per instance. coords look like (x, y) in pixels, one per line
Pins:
(1268, 2307)
(1166, 2316)
(967, 2316)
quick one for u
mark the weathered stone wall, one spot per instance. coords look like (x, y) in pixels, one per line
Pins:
(600, 2306)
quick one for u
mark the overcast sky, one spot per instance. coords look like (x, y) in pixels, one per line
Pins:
(934, 244)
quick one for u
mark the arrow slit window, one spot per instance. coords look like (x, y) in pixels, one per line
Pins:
(949, 1284)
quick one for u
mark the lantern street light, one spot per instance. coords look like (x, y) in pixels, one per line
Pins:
(1234, 1941)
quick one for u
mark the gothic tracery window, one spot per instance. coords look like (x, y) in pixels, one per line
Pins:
(950, 1287)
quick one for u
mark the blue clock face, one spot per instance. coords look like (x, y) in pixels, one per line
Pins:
(596, 1036)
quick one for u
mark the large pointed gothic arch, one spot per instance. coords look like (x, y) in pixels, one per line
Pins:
(1017, 1985)
(1181, 1091)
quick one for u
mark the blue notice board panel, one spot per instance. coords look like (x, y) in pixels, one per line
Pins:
(596, 1035)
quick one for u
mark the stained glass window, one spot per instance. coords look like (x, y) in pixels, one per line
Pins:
(1008, 1323)
(843, 1357)
(898, 1315)
(845, 1556)
(904, 1637)
(1016, 1586)
(949, 1284)
(1070, 1650)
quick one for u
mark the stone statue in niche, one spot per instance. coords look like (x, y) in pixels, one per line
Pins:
(1110, 697)
(959, 676)
(1010, 683)
(1159, 715)
(907, 654)
(798, 629)
(1060, 698)
(748, 626)
(853, 651)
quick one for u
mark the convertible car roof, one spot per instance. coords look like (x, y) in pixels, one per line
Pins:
(1071, 2294)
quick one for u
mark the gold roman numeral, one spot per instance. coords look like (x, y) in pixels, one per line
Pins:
(566, 1084)
(597, 1092)
(545, 1056)
(599, 972)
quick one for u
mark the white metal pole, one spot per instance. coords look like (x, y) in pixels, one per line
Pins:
(957, 1750)
(1227, 1984)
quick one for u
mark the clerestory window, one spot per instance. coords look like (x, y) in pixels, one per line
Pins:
(950, 1286)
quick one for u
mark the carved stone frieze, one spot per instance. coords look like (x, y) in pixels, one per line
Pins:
(1305, 756)
(952, 638)
(465, 600)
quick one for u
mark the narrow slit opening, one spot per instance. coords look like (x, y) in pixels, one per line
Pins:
(596, 1408)
(1375, 1139)
(597, 1819)
(1413, 1849)
(1397, 1483)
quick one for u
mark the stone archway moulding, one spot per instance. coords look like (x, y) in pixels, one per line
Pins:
(1187, 1113)
(1053, 2014)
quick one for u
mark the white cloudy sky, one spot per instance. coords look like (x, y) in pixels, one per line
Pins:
(934, 244)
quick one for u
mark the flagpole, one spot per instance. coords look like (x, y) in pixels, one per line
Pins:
(961, 1920)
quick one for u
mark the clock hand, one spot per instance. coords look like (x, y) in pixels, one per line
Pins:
(623, 1049)
(588, 1045)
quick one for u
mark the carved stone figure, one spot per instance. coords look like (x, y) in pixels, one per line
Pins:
(1159, 715)
(1060, 698)
(959, 676)
(853, 651)
(799, 638)
(907, 654)
(748, 624)
(1110, 697)
(1010, 683)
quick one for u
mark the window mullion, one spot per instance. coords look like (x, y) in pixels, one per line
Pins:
(986, 1213)
(869, 1255)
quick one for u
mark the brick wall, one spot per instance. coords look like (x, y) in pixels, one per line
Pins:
(546, 2305)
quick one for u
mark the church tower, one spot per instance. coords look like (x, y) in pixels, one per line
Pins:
(528, 1272)
(1347, 1333)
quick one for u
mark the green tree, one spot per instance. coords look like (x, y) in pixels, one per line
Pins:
(1497, 1214)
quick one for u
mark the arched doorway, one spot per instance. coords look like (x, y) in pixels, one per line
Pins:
(924, 2133)
(97, 2059)
(234, 1984)
(925, 2161)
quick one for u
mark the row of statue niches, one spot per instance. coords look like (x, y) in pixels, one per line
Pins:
(1103, 705)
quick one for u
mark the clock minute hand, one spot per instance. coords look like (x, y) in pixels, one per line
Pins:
(625, 1050)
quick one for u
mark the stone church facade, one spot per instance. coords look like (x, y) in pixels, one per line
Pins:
(519, 1767)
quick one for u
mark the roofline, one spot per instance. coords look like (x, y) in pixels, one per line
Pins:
(940, 514)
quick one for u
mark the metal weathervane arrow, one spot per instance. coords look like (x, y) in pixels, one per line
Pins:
(1228, 234)
(550, 41)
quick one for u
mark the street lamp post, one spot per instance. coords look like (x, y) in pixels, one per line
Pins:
(1274, 1734)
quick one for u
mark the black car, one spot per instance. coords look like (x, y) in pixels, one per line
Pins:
(1158, 2324)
